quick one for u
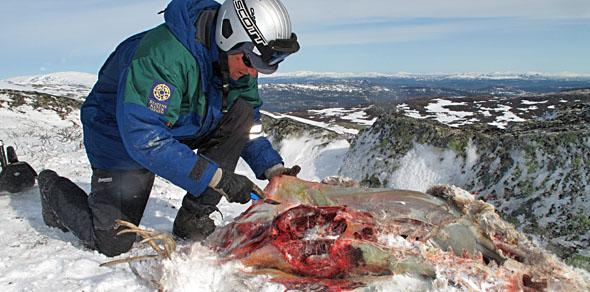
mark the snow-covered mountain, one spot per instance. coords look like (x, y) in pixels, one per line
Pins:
(460, 75)
(75, 85)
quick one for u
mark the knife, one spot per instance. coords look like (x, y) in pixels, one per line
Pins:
(256, 196)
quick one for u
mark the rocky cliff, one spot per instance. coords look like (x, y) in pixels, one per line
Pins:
(536, 172)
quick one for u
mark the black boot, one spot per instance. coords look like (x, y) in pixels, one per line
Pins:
(46, 179)
(192, 220)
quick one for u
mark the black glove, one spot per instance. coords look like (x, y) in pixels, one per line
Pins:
(280, 169)
(237, 188)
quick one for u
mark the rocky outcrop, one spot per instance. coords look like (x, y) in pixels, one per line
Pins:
(280, 128)
(536, 173)
(63, 106)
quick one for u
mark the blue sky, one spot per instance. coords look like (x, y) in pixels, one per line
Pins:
(419, 36)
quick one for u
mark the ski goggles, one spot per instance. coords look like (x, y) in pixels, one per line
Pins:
(266, 58)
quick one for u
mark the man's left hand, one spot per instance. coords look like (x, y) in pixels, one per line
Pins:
(280, 169)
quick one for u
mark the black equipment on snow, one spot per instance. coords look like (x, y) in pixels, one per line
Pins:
(16, 176)
(3, 161)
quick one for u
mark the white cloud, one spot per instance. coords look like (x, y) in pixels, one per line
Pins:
(312, 12)
(334, 22)
(88, 26)
(396, 32)
(76, 26)
(378, 34)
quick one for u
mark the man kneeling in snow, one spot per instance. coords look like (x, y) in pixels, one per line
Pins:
(190, 83)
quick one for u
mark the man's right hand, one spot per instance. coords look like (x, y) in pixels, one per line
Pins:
(237, 188)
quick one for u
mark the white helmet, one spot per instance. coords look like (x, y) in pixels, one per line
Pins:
(261, 29)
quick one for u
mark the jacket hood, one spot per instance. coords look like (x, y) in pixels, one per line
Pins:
(180, 17)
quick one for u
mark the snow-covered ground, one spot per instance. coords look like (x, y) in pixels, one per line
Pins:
(35, 257)
(444, 115)
(356, 115)
(498, 112)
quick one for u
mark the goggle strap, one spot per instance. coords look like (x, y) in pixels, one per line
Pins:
(282, 46)
(285, 45)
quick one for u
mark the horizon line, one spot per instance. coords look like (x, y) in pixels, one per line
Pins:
(307, 73)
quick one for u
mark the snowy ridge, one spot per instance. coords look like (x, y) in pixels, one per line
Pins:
(63, 78)
(462, 75)
(75, 85)
(317, 87)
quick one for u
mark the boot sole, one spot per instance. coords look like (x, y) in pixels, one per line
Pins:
(49, 217)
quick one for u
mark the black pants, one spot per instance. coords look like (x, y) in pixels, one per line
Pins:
(124, 194)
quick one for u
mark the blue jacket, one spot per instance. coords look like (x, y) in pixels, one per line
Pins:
(123, 130)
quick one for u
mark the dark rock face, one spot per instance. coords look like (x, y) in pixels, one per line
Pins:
(536, 173)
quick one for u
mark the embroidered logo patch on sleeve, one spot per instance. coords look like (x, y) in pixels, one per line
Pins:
(160, 97)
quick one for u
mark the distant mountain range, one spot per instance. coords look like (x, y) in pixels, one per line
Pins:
(306, 90)
(460, 75)
(300, 91)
